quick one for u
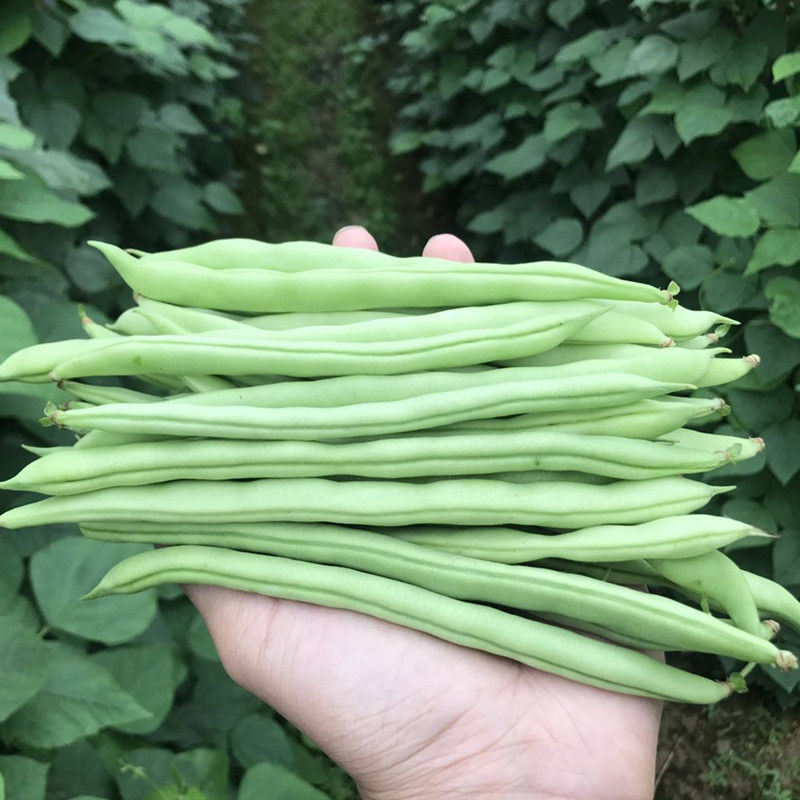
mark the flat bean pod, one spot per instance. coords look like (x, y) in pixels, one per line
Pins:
(427, 283)
(668, 537)
(714, 575)
(468, 501)
(525, 588)
(740, 447)
(75, 471)
(175, 418)
(91, 393)
(210, 354)
(535, 644)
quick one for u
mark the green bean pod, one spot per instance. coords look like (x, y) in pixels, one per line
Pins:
(177, 418)
(657, 364)
(644, 419)
(699, 342)
(424, 283)
(524, 588)
(33, 364)
(738, 446)
(75, 471)
(484, 628)
(718, 370)
(669, 537)
(91, 393)
(673, 320)
(133, 322)
(773, 598)
(714, 575)
(98, 439)
(215, 354)
(467, 501)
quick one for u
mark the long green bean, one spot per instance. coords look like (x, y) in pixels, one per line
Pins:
(526, 588)
(535, 644)
(468, 501)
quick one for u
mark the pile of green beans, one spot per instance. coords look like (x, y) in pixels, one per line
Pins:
(496, 455)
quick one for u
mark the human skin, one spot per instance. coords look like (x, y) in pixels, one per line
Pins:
(411, 717)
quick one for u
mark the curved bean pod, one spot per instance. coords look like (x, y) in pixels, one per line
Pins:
(471, 625)
(212, 354)
(468, 501)
(738, 446)
(72, 472)
(773, 598)
(525, 588)
(714, 575)
(175, 418)
(426, 283)
(668, 537)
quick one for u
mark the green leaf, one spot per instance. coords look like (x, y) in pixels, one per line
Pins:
(698, 55)
(776, 246)
(561, 236)
(727, 216)
(786, 558)
(120, 109)
(784, 112)
(765, 155)
(260, 738)
(526, 158)
(102, 137)
(25, 778)
(145, 672)
(693, 121)
(785, 308)
(750, 512)
(16, 27)
(655, 185)
(8, 172)
(179, 118)
(95, 24)
(692, 25)
(221, 198)
(55, 122)
(783, 449)
(634, 144)
(144, 15)
(11, 247)
(65, 172)
(11, 574)
(785, 66)
(153, 148)
(89, 270)
(562, 12)
(780, 353)
(587, 46)
(741, 65)
(67, 569)
(22, 663)
(588, 197)
(653, 55)
(778, 201)
(199, 640)
(568, 118)
(689, 265)
(724, 291)
(16, 137)
(284, 785)
(611, 253)
(50, 32)
(78, 770)
(488, 221)
(612, 63)
(29, 199)
(757, 410)
(200, 774)
(181, 202)
(79, 698)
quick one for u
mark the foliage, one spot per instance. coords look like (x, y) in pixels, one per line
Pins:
(118, 120)
(657, 142)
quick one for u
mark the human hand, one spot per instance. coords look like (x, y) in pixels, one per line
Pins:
(410, 716)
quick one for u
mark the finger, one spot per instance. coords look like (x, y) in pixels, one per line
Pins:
(445, 245)
(354, 236)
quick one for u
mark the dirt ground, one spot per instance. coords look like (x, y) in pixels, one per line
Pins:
(743, 749)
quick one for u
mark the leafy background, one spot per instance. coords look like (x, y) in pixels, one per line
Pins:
(655, 140)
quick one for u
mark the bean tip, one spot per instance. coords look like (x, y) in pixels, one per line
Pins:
(774, 626)
(786, 660)
(761, 444)
(668, 342)
(753, 359)
(736, 683)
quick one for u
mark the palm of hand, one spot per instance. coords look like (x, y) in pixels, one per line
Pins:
(410, 716)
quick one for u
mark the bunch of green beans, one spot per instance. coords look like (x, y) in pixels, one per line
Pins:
(487, 453)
